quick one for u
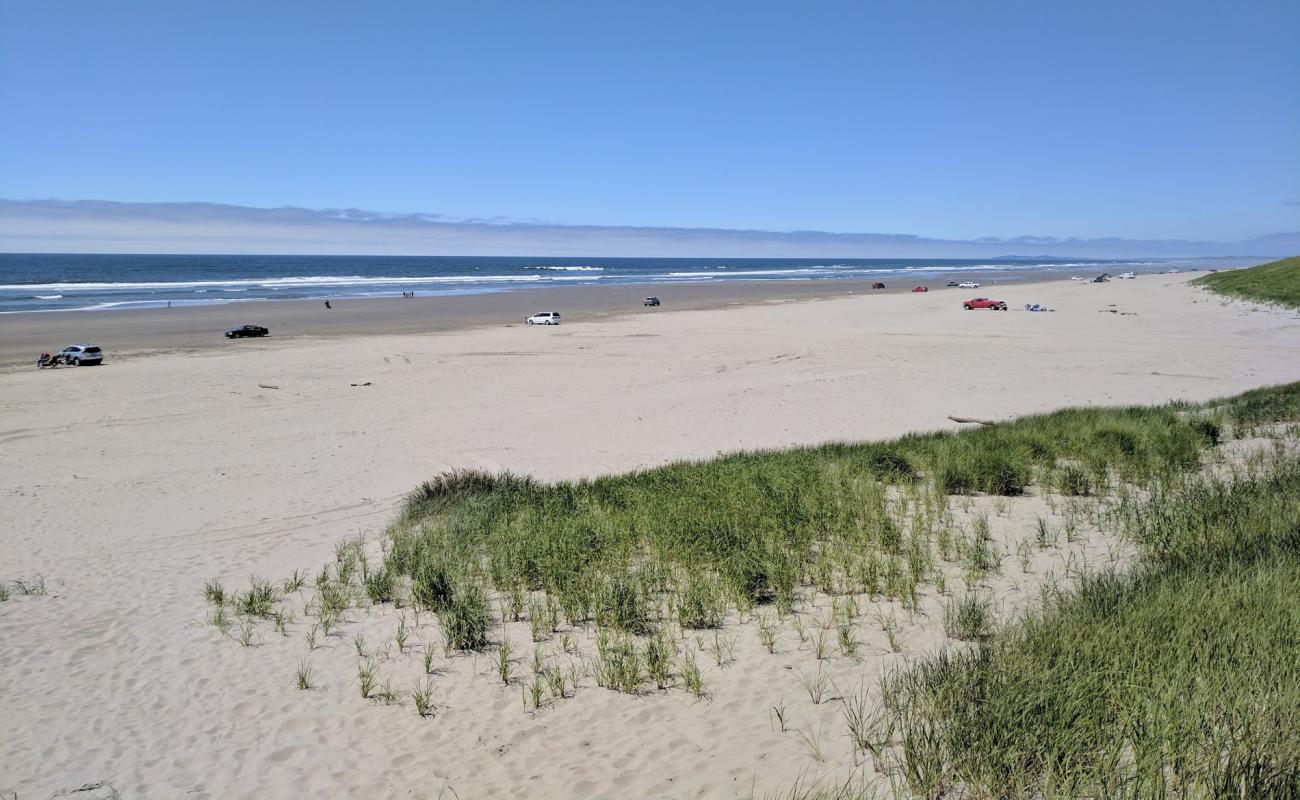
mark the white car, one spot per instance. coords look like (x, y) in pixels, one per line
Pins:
(82, 355)
(544, 318)
(968, 285)
(1128, 276)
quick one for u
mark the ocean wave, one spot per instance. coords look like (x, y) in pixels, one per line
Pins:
(294, 282)
(576, 268)
(48, 296)
(122, 305)
(732, 273)
(579, 272)
(140, 305)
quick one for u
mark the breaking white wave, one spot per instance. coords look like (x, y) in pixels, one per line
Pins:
(294, 282)
(576, 268)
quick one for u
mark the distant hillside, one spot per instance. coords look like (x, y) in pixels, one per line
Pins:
(1275, 282)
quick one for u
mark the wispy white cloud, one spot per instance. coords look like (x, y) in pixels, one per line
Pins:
(83, 226)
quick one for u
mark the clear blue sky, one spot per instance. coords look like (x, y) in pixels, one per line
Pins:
(961, 119)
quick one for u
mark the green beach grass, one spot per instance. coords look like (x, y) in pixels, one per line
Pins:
(687, 542)
(1276, 282)
(1176, 676)
(1179, 680)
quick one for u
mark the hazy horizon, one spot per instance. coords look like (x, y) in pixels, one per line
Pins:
(208, 228)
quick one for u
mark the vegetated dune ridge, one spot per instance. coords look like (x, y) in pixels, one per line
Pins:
(130, 485)
(1179, 678)
(1275, 282)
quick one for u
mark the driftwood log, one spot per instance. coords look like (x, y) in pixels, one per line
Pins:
(971, 419)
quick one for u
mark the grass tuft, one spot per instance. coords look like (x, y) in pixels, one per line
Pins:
(303, 677)
(259, 600)
(970, 619)
(422, 697)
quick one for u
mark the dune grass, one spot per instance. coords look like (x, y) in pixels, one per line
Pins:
(1180, 680)
(689, 542)
(1276, 282)
(1177, 681)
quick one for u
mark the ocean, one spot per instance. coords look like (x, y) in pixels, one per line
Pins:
(45, 282)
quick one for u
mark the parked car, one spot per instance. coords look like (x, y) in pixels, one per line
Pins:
(1128, 276)
(877, 285)
(82, 355)
(968, 285)
(1100, 279)
(984, 302)
(246, 330)
(952, 283)
(650, 301)
(544, 318)
(921, 289)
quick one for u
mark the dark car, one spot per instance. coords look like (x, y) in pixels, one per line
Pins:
(877, 285)
(650, 301)
(246, 330)
(952, 283)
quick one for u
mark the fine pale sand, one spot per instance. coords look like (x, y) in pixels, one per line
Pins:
(128, 485)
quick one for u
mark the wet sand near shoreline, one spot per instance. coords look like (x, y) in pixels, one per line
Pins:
(130, 333)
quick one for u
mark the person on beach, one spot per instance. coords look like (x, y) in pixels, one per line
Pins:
(327, 304)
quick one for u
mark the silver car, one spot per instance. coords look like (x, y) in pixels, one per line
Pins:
(82, 355)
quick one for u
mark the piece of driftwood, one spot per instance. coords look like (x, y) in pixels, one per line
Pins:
(367, 383)
(267, 386)
(971, 419)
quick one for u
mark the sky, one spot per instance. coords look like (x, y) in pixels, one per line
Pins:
(952, 120)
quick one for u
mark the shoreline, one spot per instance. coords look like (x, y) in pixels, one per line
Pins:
(132, 333)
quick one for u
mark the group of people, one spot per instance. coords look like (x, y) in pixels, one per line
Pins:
(47, 360)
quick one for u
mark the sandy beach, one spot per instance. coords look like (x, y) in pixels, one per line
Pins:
(187, 458)
(129, 333)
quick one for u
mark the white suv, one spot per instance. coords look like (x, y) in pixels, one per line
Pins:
(544, 318)
(82, 355)
(968, 285)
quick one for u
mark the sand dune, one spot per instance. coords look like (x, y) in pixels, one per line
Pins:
(129, 485)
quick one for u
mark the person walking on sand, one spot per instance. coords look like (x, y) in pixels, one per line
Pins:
(327, 304)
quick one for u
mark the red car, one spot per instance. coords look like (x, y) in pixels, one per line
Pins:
(984, 302)
(921, 289)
